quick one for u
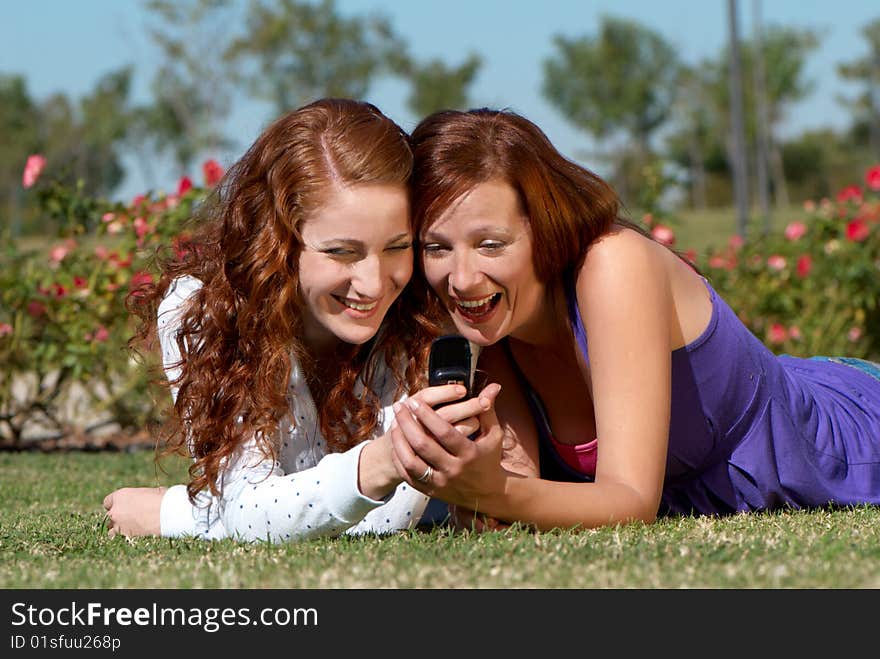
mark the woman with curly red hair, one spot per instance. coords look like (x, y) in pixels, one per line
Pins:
(287, 332)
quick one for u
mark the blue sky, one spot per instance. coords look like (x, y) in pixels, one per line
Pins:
(65, 45)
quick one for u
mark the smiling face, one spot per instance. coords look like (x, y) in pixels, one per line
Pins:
(356, 259)
(477, 257)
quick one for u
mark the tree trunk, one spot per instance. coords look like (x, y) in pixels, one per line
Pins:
(737, 139)
(780, 188)
(762, 121)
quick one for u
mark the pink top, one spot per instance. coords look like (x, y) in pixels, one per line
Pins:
(580, 457)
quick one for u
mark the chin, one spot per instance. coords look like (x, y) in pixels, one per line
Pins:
(357, 336)
(481, 337)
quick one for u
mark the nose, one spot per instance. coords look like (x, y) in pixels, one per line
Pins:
(368, 277)
(464, 275)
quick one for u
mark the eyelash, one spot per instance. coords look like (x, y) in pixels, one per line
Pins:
(342, 252)
(486, 245)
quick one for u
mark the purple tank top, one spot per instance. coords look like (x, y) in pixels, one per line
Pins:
(751, 430)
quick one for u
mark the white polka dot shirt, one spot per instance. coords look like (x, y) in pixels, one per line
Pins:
(306, 493)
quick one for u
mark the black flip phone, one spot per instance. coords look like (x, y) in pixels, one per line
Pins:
(450, 362)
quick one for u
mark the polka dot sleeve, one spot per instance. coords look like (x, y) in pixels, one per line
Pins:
(259, 501)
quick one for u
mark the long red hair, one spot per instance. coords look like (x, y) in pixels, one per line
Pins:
(237, 335)
(568, 206)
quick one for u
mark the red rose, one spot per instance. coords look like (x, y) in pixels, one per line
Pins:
(872, 177)
(852, 192)
(212, 172)
(184, 185)
(804, 265)
(857, 231)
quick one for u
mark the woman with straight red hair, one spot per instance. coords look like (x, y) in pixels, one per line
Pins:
(632, 386)
(288, 330)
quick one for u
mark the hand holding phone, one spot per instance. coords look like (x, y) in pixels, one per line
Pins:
(450, 362)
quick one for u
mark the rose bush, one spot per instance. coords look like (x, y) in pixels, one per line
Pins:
(63, 324)
(812, 289)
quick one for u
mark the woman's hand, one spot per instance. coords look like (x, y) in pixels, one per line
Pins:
(378, 475)
(439, 459)
(134, 511)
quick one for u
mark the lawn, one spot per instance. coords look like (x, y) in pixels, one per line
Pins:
(51, 537)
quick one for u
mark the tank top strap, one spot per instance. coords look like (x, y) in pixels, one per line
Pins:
(574, 313)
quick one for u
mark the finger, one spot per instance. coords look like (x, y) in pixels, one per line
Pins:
(468, 427)
(455, 412)
(408, 463)
(108, 501)
(488, 418)
(444, 434)
(445, 393)
(423, 445)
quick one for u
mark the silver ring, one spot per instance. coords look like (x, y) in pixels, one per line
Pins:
(424, 478)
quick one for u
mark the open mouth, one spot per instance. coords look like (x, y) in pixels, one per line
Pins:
(479, 308)
(363, 307)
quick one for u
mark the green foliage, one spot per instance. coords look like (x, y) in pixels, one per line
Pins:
(192, 90)
(620, 80)
(814, 288)
(437, 86)
(304, 50)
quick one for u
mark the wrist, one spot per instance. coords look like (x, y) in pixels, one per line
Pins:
(377, 476)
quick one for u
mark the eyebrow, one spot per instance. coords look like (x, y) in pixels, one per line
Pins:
(478, 230)
(352, 242)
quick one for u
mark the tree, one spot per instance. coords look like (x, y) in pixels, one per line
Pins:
(438, 86)
(785, 52)
(19, 125)
(303, 51)
(866, 70)
(620, 81)
(192, 88)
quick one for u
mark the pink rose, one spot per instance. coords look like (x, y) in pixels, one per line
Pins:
(663, 234)
(735, 242)
(777, 334)
(141, 227)
(32, 170)
(794, 333)
(795, 230)
(776, 262)
(5, 329)
(854, 334)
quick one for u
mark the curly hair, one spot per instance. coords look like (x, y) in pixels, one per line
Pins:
(240, 329)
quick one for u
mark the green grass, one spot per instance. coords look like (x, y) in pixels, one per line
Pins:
(701, 229)
(51, 536)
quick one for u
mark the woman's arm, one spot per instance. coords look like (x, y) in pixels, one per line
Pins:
(626, 307)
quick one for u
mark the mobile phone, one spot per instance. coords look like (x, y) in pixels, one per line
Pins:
(450, 362)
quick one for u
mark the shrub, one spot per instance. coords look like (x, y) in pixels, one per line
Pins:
(63, 325)
(814, 288)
